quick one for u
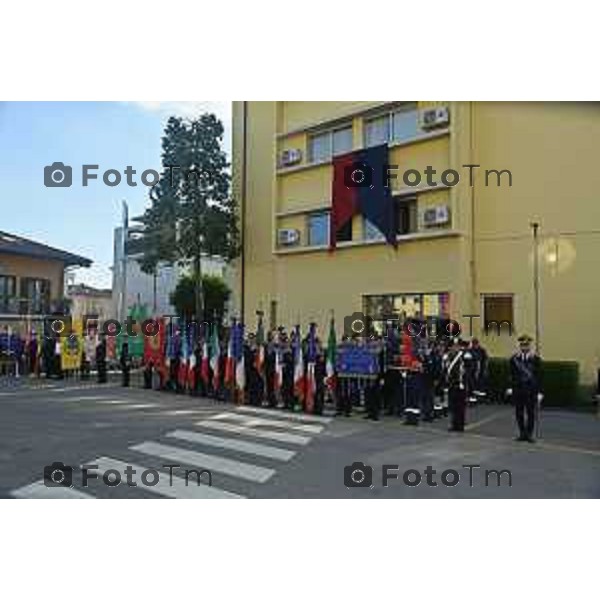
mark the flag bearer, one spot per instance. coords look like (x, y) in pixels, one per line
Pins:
(125, 364)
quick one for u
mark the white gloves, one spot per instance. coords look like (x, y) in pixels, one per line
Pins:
(540, 397)
(509, 391)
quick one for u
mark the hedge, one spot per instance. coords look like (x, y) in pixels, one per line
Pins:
(560, 381)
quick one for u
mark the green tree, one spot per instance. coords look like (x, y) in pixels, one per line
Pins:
(192, 213)
(216, 293)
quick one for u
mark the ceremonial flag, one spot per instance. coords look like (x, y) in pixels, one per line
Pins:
(229, 360)
(72, 347)
(191, 348)
(360, 186)
(260, 346)
(278, 364)
(299, 381)
(205, 367)
(182, 371)
(311, 359)
(238, 354)
(154, 344)
(215, 355)
(330, 358)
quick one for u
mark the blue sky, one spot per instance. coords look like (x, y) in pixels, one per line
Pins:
(112, 135)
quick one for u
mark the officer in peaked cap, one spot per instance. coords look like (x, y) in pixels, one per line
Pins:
(525, 369)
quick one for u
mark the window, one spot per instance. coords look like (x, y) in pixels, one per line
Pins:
(322, 146)
(396, 126)
(318, 229)
(37, 294)
(342, 141)
(498, 313)
(7, 291)
(405, 124)
(405, 216)
(396, 308)
(319, 147)
(377, 131)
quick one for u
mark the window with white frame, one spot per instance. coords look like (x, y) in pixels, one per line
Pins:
(396, 125)
(323, 146)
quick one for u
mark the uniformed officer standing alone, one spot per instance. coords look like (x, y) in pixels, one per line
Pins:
(125, 364)
(525, 367)
(454, 377)
(101, 359)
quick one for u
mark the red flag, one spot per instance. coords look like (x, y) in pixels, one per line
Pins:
(344, 199)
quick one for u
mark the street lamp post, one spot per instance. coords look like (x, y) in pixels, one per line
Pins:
(536, 283)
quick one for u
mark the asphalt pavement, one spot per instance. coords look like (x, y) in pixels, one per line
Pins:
(131, 434)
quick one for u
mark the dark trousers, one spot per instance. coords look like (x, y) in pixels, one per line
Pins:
(125, 381)
(457, 403)
(525, 411)
(344, 397)
(373, 401)
(101, 372)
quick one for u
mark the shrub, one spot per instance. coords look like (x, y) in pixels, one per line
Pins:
(560, 381)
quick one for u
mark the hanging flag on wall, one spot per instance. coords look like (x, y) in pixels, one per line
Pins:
(360, 186)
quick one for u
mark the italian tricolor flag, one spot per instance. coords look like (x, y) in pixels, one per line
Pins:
(330, 357)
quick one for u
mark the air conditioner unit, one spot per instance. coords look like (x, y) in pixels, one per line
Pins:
(435, 117)
(436, 215)
(288, 237)
(290, 157)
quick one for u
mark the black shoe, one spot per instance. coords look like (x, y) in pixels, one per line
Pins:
(521, 438)
(530, 439)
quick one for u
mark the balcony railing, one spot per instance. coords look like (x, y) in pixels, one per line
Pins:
(26, 306)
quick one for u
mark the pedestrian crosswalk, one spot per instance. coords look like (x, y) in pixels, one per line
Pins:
(240, 448)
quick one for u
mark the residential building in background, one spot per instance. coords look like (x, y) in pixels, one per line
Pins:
(87, 301)
(462, 249)
(154, 291)
(32, 278)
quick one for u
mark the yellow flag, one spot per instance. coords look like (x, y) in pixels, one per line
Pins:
(72, 347)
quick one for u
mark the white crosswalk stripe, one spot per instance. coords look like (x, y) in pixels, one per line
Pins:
(38, 491)
(278, 436)
(165, 486)
(233, 444)
(251, 421)
(284, 415)
(203, 447)
(235, 468)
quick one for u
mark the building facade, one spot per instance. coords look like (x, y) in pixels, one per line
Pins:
(87, 301)
(154, 291)
(464, 248)
(32, 278)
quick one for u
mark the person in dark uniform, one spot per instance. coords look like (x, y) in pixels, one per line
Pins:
(428, 376)
(373, 388)
(148, 368)
(125, 361)
(48, 356)
(480, 356)
(454, 377)
(525, 369)
(270, 351)
(287, 383)
(101, 359)
(320, 374)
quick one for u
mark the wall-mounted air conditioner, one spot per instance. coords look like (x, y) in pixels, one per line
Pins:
(288, 237)
(435, 117)
(290, 157)
(436, 215)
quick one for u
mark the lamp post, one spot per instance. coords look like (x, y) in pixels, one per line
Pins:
(536, 282)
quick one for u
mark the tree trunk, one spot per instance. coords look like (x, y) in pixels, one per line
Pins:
(198, 288)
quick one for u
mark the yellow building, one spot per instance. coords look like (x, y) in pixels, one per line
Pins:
(462, 249)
